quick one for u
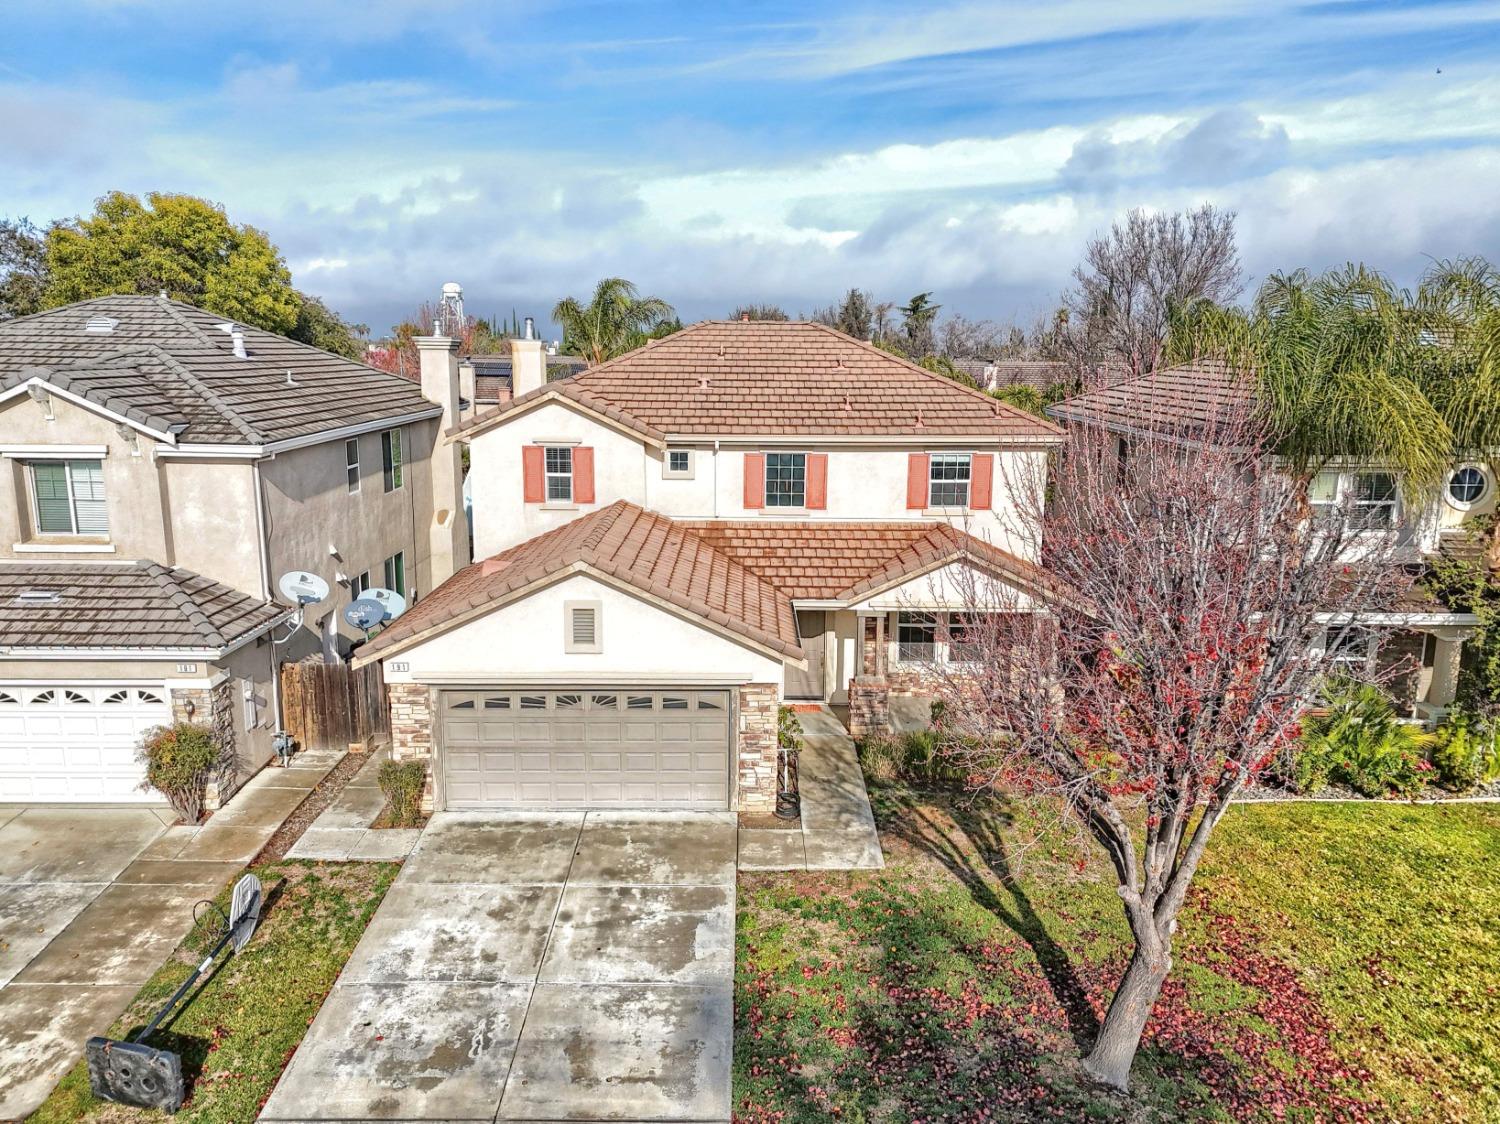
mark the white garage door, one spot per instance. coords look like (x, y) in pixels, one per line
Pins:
(585, 748)
(76, 742)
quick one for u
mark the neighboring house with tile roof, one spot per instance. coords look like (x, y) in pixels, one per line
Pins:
(163, 467)
(1189, 403)
(674, 542)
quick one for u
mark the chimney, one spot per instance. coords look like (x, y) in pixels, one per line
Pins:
(528, 364)
(468, 386)
(448, 533)
(237, 340)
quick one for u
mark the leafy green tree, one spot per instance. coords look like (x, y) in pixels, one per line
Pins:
(179, 244)
(320, 326)
(615, 320)
(917, 318)
(1023, 397)
(23, 268)
(942, 365)
(759, 312)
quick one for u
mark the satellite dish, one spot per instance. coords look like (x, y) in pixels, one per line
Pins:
(393, 603)
(364, 613)
(302, 588)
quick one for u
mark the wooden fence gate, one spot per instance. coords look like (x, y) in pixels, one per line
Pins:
(329, 705)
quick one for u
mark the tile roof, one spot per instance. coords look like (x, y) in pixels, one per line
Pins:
(140, 605)
(845, 561)
(646, 551)
(1184, 401)
(729, 377)
(166, 364)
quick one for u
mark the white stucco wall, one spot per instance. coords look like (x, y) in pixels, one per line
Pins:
(641, 643)
(866, 482)
(954, 587)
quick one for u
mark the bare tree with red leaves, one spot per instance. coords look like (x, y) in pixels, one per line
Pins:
(1200, 599)
(398, 355)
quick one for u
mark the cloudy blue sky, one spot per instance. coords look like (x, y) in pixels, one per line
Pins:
(772, 151)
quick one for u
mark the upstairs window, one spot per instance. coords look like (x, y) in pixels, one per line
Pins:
(351, 464)
(1374, 500)
(559, 473)
(69, 497)
(392, 459)
(948, 480)
(395, 572)
(679, 465)
(786, 479)
(1467, 486)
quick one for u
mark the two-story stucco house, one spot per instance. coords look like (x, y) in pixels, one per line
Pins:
(1182, 401)
(159, 470)
(676, 541)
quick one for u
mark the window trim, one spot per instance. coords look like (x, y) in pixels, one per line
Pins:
(352, 482)
(1485, 486)
(967, 481)
(393, 469)
(1364, 662)
(548, 475)
(670, 473)
(766, 481)
(575, 648)
(1350, 508)
(389, 569)
(72, 499)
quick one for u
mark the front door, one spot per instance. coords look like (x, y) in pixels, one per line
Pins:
(811, 626)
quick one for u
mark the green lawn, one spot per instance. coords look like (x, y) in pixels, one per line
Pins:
(1336, 962)
(241, 1029)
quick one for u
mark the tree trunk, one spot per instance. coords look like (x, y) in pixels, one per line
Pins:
(1120, 1036)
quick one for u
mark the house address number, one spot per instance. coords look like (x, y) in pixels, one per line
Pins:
(399, 665)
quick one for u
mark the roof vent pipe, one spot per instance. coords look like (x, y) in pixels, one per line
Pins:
(529, 331)
(237, 338)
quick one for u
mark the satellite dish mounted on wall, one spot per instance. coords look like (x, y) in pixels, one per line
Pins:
(302, 588)
(391, 601)
(364, 613)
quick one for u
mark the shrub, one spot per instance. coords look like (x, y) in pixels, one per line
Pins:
(179, 760)
(881, 757)
(1466, 751)
(403, 782)
(1361, 742)
(913, 756)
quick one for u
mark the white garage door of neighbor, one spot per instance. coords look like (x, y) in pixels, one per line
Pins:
(585, 748)
(76, 742)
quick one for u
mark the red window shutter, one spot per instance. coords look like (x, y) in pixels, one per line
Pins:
(533, 487)
(981, 480)
(583, 474)
(755, 481)
(817, 481)
(916, 482)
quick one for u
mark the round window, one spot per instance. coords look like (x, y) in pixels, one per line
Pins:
(1467, 485)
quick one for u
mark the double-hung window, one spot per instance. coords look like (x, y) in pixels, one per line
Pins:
(948, 480)
(392, 459)
(916, 637)
(559, 471)
(69, 497)
(351, 464)
(1373, 503)
(395, 572)
(786, 479)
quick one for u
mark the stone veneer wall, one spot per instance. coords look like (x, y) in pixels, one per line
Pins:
(213, 707)
(869, 706)
(756, 746)
(412, 718)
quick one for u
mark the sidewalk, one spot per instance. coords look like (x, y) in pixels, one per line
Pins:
(838, 828)
(85, 976)
(343, 833)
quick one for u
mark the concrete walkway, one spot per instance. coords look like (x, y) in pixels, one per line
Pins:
(838, 828)
(342, 833)
(92, 902)
(545, 968)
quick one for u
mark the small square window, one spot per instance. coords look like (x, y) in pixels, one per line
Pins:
(786, 479)
(679, 464)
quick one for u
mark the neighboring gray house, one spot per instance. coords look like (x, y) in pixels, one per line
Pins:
(161, 469)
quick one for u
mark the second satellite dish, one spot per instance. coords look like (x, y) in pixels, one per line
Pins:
(364, 613)
(302, 588)
(392, 601)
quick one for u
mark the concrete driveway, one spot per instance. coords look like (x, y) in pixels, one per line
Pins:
(571, 967)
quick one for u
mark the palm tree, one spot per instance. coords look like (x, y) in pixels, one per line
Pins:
(617, 319)
(1348, 365)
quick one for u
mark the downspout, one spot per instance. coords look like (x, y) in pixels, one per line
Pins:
(263, 543)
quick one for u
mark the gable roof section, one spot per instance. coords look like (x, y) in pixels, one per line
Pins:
(1187, 401)
(167, 365)
(723, 378)
(139, 606)
(637, 548)
(849, 561)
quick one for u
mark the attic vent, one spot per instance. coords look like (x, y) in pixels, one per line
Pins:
(38, 597)
(702, 382)
(100, 325)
